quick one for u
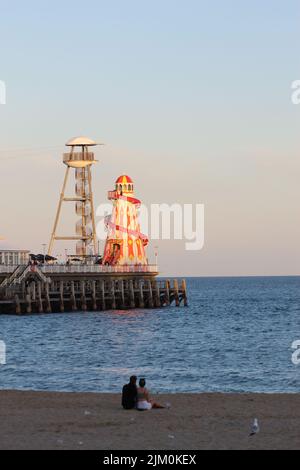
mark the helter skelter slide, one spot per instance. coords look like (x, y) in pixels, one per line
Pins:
(125, 244)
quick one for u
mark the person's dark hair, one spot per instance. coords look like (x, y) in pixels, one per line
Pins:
(133, 379)
(142, 383)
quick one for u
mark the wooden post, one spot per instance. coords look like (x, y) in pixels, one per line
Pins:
(48, 303)
(113, 295)
(40, 300)
(18, 305)
(23, 289)
(61, 296)
(150, 294)
(83, 297)
(103, 304)
(131, 294)
(33, 292)
(73, 297)
(28, 300)
(176, 293)
(141, 294)
(167, 292)
(184, 293)
(158, 301)
(122, 294)
(94, 298)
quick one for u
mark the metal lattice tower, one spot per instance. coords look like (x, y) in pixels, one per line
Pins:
(81, 161)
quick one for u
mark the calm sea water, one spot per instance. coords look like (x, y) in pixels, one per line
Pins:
(236, 336)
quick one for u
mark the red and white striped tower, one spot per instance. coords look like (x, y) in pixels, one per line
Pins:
(125, 244)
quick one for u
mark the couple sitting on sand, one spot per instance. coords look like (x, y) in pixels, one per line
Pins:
(134, 397)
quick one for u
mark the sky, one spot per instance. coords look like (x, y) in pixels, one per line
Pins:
(191, 98)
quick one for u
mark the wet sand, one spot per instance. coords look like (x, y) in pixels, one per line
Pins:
(34, 420)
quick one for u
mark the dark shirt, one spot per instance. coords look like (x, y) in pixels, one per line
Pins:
(129, 396)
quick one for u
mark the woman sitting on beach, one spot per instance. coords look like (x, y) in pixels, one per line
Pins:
(143, 398)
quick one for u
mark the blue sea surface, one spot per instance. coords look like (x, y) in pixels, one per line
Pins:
(235, 336)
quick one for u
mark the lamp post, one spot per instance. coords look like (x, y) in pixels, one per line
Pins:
(44, 251)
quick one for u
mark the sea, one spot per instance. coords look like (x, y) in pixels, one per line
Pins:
(237, 335)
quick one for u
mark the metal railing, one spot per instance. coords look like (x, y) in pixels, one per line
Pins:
(7, 269)
(78, 157)
(85, 269)
(97, 269)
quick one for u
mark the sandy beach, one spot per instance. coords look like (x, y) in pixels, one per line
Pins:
(35, 420)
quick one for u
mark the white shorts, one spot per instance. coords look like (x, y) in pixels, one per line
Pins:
(144, 405)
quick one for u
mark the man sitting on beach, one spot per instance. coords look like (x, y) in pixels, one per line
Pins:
(129, 395)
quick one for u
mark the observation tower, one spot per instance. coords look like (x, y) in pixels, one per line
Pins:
(80, 158)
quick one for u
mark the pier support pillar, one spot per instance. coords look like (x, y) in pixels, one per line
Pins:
(150, 294)
(113, 295)
(94, 298)
(18, 305)
(176, 293)
(40, 299)
(167, 293)
(28, 300)
(157, 295)
(61, 296)
(103, 303)
(48, 302)
(73, 297)
(131, 294)
(123, 306)
(184, 293)
(141, 294)
(83, 297)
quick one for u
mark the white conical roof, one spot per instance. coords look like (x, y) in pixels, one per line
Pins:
(79, 141)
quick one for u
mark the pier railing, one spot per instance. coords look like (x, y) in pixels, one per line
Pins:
(97, 269)
(86, 269)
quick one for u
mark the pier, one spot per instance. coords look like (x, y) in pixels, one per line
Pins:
(29, 289)
(121, 278)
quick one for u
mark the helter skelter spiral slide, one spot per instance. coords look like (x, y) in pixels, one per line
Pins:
(125, 244)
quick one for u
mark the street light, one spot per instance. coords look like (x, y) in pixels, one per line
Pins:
(44, 251)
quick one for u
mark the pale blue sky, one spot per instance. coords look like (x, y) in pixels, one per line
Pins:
(192, 99)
